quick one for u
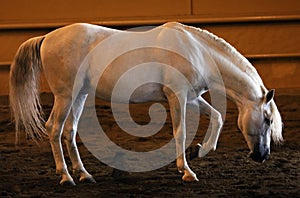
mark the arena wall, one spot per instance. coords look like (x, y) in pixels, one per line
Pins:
(265, 31)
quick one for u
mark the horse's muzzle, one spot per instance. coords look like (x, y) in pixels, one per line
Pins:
(260, 154)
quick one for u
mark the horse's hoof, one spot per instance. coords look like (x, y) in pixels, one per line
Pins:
(87, 180)
(189, 178)
(194, 151)
(202, 152)
(67, 183)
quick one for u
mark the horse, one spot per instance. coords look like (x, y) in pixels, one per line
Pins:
(60, 54)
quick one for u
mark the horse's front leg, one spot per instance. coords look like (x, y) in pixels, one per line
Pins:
(177, 105)
(211, 137)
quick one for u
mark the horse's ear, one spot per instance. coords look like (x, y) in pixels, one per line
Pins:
(270, 95)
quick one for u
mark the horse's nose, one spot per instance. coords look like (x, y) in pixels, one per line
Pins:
(260, 154)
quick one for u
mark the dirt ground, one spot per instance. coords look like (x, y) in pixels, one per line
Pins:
(28, 170)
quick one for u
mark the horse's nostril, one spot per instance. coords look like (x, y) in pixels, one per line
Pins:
(259, 157)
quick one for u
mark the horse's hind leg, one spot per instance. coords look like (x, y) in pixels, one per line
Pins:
(70, 130)
(54, 126)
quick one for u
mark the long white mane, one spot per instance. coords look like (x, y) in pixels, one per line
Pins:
(242, 63)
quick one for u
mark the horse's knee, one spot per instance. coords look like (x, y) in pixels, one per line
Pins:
(218, 118)
(220, 121)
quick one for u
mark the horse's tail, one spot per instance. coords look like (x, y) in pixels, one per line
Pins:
(24, 90)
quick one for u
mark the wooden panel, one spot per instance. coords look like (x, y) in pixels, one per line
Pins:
(279, 73)
(258, 28)
(235, 8)
(259, 39)
(4, 75)
(251, 39)
(11, 40)
(37, 11)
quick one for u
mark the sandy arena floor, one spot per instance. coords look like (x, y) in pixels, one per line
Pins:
(28, 170)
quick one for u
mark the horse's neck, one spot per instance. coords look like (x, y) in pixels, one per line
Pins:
(241, 80)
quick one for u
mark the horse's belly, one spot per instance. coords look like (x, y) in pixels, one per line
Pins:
(126, 94)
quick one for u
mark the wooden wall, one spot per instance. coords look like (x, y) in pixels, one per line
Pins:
(265, 31)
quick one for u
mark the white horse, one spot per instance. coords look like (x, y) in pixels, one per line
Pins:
(60, 53)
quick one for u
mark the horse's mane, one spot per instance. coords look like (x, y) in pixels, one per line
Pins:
(243, 64)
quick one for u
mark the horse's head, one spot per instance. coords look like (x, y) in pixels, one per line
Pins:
(259, 123)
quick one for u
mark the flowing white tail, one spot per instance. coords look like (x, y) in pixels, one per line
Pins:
(24, 89)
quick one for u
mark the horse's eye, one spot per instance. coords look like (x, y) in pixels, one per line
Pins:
(268, 121)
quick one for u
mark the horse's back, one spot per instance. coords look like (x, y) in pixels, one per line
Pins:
(73, 41)
(64, 49)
